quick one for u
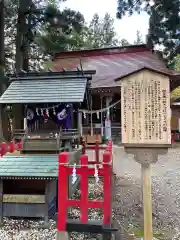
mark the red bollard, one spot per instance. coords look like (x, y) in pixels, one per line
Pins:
(3, 148)
(12, 147)
(19, 145)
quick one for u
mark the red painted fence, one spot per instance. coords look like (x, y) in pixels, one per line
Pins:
(84, 171)
(97, 148)
(11, 147)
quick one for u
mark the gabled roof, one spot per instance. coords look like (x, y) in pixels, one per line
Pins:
(41, 88)
(113, 63)
(144, 68)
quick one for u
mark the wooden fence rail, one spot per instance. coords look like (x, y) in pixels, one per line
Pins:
(84, 170)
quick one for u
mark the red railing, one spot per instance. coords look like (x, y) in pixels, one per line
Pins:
(97, 148)
(84, 171)
(11, 147)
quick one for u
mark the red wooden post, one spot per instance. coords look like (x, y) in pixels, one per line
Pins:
(3, 148)
(62, 191)
(19, 145)
(83, 147)
(107, 186)
(83, 203)
(11, 146)
(84, 188)
(97, 147)
(172, 138)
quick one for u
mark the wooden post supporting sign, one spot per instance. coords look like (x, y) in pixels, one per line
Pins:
(147, 200)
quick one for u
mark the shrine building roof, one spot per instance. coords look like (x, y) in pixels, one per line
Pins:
(29, 166)
(46, 88)
(114, 63)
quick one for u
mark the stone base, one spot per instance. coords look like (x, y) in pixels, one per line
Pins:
(62, 236)
(146, 156)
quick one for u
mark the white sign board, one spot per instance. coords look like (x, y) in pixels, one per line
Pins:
(145, 106)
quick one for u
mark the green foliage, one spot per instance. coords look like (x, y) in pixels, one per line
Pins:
(177, 63)
(47, 29)
(100, 33)
(165, 26)
(123, 42)
(139, 39)
(164, 22)
(78, 35)
(60, 30)
(131, 6)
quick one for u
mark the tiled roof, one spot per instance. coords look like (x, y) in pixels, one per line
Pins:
(29, 166)
(45, 90)
(111, 64)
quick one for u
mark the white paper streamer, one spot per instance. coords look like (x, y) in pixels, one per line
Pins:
(74, 176)
(54, 111)
(96, 174)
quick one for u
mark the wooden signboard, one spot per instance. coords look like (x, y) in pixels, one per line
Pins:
(19, 198)
(145, 106)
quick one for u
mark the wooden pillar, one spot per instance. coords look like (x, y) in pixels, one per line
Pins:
(102, 127)
(92, 132)
(1, 202)
(147, 201)
(1, 124)
(146, 156)
(80, 123)
(108, 119)
(72, 117)
(18, 118)
(46, 217)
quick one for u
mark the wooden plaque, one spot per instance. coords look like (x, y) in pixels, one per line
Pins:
(18, 198)
(145, 106)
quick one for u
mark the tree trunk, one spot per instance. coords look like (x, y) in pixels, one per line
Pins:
(22, 59)
(2, 87)
(21, 26)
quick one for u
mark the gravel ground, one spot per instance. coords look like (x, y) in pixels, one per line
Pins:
(165, 191)
(14, 229)
(128, 205)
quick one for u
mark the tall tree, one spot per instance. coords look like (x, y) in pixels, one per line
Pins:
(97, 34)
(139, 39)
(39, 17)
(123, 42)
(165, 26)
(4, 120)
(177, 62)
(164, 21)
(1, 62)
(101, 32)
(1, 40)
(59, 30)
